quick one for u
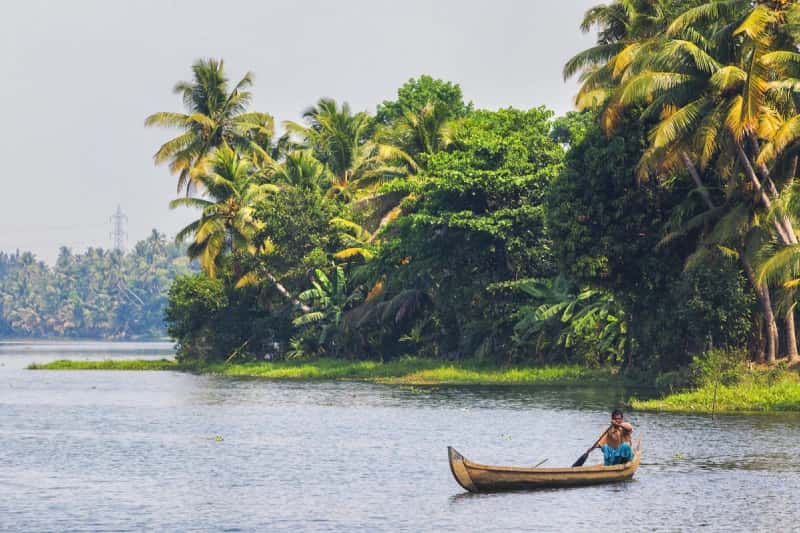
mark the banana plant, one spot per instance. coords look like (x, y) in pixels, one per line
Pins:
(328, 299)
(576, 314)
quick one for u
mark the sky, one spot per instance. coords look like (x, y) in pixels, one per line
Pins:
(81, 76)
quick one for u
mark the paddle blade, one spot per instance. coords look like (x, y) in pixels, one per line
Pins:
(581, 460)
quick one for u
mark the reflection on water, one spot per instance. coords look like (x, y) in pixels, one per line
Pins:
(127, 451)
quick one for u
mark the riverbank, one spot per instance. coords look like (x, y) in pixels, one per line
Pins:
(756, 390)
(409, 370)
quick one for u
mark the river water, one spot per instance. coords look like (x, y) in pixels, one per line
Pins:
(167, 451)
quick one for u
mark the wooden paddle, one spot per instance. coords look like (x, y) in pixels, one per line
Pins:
(582, 458)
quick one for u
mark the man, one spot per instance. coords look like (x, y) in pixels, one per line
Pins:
(616, 443)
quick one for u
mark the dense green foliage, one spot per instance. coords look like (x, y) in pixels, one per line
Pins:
(458, 256)
(607, 228)
(714, 84)
(474, 218)
(97, 294)
(417, 93)
(652, 225)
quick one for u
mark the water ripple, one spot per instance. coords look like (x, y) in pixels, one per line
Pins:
(162, 451)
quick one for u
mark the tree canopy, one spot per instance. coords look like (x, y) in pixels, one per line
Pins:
(656, 221)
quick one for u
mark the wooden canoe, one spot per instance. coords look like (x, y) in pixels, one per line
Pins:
(476, 477)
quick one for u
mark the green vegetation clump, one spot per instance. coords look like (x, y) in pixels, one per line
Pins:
(414, 370)
(507, 237)
(406, 370)
(756, 390)
(108, 364)
(722, 381)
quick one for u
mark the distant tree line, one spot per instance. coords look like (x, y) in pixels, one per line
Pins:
(98, 294)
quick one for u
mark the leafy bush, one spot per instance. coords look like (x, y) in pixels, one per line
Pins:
(193, 303)
(717, 366)
(674, 380)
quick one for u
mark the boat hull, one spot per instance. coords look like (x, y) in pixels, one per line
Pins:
(476, 477)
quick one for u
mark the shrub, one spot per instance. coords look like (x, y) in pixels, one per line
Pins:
(717, 366)
(674, 381)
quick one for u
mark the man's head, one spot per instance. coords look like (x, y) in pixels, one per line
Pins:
(616, 416)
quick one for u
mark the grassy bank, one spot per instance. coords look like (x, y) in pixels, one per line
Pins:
(754, 390)
(108, 364)
(409, 370)
(757, 390)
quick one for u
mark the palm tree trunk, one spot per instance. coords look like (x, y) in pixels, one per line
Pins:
(772, 326)
(760, 341)
(790, 330)
(788, 236)
(285, 292)
(697, 181)
(751, 175)
(791, 338)
(762, 292)
(784, 221)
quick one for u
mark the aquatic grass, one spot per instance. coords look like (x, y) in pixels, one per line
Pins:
(330, 369)
(108, 364)
(416, 371)
(406, 370)
(759, 391)
(555, 375)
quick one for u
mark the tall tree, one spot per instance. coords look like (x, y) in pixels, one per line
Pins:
(300, 169)
(216, 114)
(416, 93)
(421, 132)
(704, 79)
(226, 222)
(339, 139)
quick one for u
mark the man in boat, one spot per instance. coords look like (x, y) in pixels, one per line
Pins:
(616, 443)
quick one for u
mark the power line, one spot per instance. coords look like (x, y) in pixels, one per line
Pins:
(119, 235)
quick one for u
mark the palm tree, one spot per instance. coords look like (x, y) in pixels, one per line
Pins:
(780, 262)
(300, 169)
(706, 79)
(628, 30)
(629, 33)
(359, 241)
(215, 115)
(339, 139)
(227, 221)
(420, 132)
(743, 115)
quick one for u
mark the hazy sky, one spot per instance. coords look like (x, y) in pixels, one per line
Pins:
(81, 76)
